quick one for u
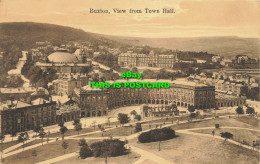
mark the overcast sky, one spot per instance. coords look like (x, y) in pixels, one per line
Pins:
(192, 18)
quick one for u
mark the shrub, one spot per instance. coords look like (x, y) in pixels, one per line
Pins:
(138, 127)
(85, 152)
(123, 118)
(109, 148)
(240, 110)
(156, 135)
(138, 117)
(133, 112)
(250, 110)
(226, 135)
(82, 142)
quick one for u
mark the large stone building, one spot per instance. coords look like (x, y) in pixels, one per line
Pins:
(25, 94)
(65, 84)
(97, 102)
(64, 62)
(19, 116)
(147, 60)
(230, 83)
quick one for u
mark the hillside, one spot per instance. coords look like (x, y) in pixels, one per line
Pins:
(25, 34)
(228, 46)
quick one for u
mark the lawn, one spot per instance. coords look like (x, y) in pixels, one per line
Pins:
(232, 122)
(249, 120)
(29, 143)
(44, 152)
(243, 136)
(120, 131)
(199, 149)
(9, 144)
(72, 132)
(124, 159)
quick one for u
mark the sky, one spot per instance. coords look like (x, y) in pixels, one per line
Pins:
(192, 18)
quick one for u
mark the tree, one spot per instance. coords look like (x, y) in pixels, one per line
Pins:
(192, 115)
(138, 117)
(82, 142)
(85, 151)
(42, 134)
(37, 129)
(63, 130)
(191, 109)
(13, 134)
(133, 112)
(2, 138)
(239, 110)
(61, 124)
(64, 145)
(123, 118)
(250, 110)
(77, 125)
(138, 127)
(108, 148)
(23, 137)
(156, 135)
(226, 135)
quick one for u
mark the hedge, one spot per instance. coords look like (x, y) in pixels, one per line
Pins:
(156, 135)
(110, 148)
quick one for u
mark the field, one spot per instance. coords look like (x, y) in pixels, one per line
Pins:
(44, 152)
(196, 149)
(125, 159)
(185, 148)
(243, 122)
(120, 131)
(240, 135)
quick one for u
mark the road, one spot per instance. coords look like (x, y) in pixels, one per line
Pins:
(19, 67)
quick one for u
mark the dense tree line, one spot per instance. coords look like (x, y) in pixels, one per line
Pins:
(182, 55)
(251, 93)
(35, 74)
(108, 60)
(9, 57)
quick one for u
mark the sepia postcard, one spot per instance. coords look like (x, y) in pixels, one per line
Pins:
(130, 81)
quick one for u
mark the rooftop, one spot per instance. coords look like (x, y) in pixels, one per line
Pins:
(62, 57)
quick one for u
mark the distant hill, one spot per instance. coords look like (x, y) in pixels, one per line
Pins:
(228, 46)
(25, 34)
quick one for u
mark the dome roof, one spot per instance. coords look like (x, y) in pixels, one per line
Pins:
(62, 57)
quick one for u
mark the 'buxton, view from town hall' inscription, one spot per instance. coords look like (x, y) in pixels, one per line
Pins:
(131, 82)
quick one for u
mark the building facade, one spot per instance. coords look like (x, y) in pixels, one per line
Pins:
(147, 60)
(65, 84)
(67, 112)
(18, 116)
(97, 102)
